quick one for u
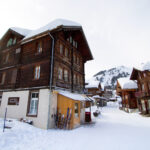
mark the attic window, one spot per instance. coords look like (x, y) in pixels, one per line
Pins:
(10, 42)
(39, 47)
(14, 41)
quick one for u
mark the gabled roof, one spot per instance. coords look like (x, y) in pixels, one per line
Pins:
(141, 67)
(74, 96)
(21, 31)
(51, 26)
(126, 83)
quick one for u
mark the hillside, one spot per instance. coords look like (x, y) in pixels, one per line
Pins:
(110, 76)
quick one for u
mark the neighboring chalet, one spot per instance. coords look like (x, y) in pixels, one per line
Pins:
(126, 88)
(93, 87)
(142, 75)
(42, 68)
(108, 92)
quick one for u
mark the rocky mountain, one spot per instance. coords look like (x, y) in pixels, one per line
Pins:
(109, 77)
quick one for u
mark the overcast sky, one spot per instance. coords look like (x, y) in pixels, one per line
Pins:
(118, 31)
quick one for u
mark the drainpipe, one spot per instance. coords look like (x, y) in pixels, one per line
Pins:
(51, 76)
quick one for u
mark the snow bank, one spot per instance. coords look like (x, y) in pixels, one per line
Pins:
(21, 31)
(53, 25)
(74, 96)
(92, 83)
(126, 83)
(143, 66)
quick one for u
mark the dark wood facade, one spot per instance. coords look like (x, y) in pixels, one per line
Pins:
(18, 61)
(129, 100)
(143, 92)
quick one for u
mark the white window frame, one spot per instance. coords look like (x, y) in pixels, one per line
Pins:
(60, 73)
(33, 107)
(66, 75)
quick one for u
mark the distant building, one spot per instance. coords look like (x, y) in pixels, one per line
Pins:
(126, 88)
(141, 73)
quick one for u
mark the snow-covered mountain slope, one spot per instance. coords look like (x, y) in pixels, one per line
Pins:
(109, 77)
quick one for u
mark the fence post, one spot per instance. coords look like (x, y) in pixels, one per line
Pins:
(5, 119)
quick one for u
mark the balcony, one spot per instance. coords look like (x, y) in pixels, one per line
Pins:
(141, 94)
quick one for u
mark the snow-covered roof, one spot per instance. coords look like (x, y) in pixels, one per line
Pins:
(21, 31)
(92, 83)
(96, 96)
(74, 96)
(143, 66)
(51, 26)
(126, 83)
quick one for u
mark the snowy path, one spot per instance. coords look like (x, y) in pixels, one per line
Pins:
(114, 130)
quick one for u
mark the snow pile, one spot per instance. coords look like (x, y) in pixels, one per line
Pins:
(53, 25)
(113, 130)
(92, 83)
(74, 96)
(126, 83)
(21, 31)
(143, 66)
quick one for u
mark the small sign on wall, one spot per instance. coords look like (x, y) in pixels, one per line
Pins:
(13, 101)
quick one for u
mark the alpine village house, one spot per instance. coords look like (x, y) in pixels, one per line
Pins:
(126, 88)
(142, 75)
(42, 75)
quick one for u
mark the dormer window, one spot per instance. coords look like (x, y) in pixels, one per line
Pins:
(10, 42)
(39, 47)
(14, 41)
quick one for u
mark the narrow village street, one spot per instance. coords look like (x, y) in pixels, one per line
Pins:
(113, 130)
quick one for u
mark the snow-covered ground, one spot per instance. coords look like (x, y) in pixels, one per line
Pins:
(113, 130)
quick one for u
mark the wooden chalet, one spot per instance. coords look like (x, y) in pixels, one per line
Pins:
(126, 89)
(93, 88)
(35, 64)
(142, 75)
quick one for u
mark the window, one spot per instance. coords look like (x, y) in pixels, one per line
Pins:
(14, 76)
(78, 79)
(0, 98)
(33, 103)
(74, 78)
(39, 47)
(144, 74)
(37, 72)
(3, 78)
(10, 42)
(60, 75)
(74, 43)
(13, 101)
(71, 39)
(6, 58)
(74, 58)
(66, 75)
(66, 52)
(78, 60)
(142, 87)
(61, 49)
(14, 41)
(76, 111)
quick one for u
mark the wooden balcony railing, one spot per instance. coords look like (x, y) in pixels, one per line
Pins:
(141, 94)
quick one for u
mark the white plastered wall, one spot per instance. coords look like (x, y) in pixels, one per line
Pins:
(53, 109)
(19, 111)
